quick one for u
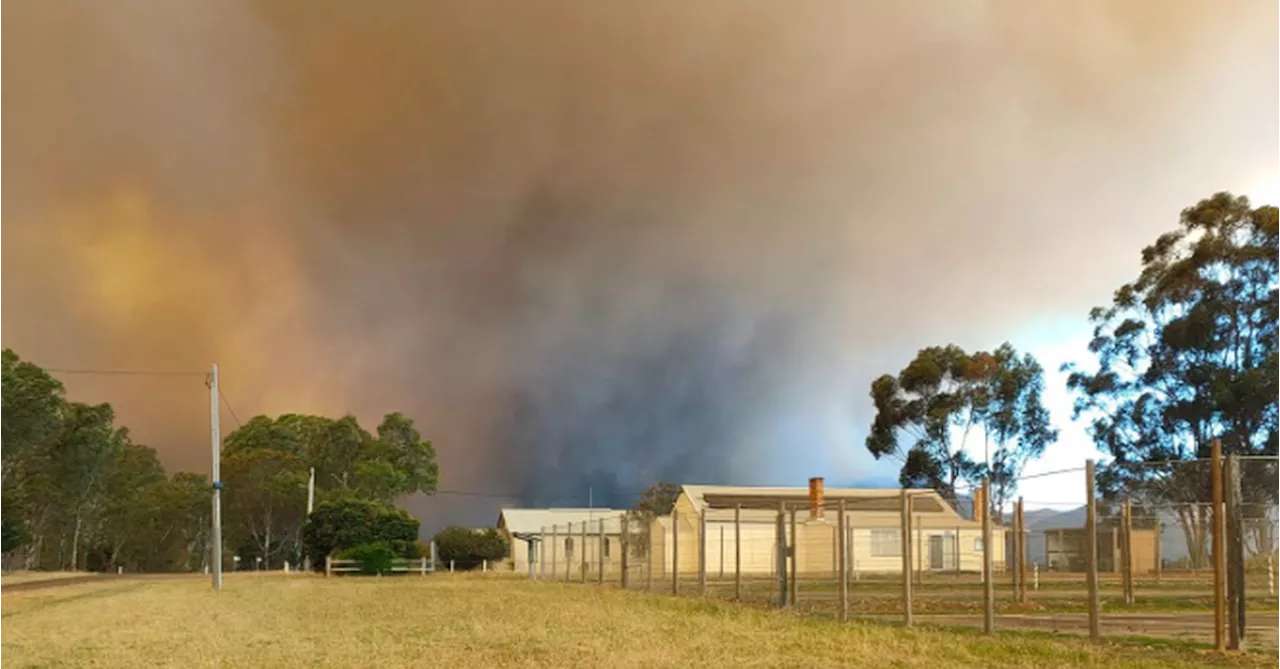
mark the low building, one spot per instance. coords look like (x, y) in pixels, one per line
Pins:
(942, 540)
(539, 527)
(1065, 549)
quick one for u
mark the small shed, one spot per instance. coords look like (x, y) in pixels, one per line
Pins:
(1065, 549)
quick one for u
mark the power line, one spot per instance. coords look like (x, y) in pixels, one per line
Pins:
(227, 404)
(122, 372)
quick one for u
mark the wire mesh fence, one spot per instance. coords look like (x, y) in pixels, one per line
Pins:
(1149, 567)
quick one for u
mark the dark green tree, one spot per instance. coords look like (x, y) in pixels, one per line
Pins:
(1186, 353)
(348, 521)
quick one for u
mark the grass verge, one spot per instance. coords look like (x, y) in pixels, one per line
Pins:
(283, 621)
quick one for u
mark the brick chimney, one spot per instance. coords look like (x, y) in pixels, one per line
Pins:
(979, 505)
(815, 498)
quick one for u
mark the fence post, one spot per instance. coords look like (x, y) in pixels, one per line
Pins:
(555, 550)
(957, 542)
(648, 558)
(1219, 546)
(702, 553)
(1127, 551)
(422, 566)
(328, 566)
(852, 551)
(450, 566)
(583, 553)
(1022, 551)
(600, 554)
(795, 559)
(1091, 549)
(675, 552)
(1159, 558)
(905, 520)
(1235, 554)
(842, 558)
(737, 551)
(917, 556)
(625, 538)
(721, 551)
(1035, 575)
(780, 539)
(989, 584)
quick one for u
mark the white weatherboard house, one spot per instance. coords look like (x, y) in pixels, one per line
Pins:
(942, 540)
(520, 526)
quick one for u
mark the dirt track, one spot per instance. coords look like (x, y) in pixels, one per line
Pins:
(1261, 627)
(87, 578)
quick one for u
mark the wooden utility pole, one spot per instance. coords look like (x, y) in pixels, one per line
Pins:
(1091, 549)
(988, 577)
(842, 558)
(1219, 549)
(906, 558)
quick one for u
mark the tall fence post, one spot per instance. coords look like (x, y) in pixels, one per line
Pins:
(583, 552)
(1022, 552)
(1219, 546)
(600, 554)
(1159, 558)
(795, 560)
(989, 583)
(702, 553)
(842, 558)
(737, 552)
(721, 551)
(568, 552)
(780, 539)
(1091, 549)
(555, 550)
(675, 552)
(542, 553)
(957, 551)
(1011, 550)
(905, 520)
(648, 558)
(918, 555)
(1235, 554)
(1127, 551)
(625, 538)
(328, 566)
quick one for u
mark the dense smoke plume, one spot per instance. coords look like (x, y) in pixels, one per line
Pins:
(593, 243)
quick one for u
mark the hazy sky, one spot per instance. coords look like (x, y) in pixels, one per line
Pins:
(598, 243)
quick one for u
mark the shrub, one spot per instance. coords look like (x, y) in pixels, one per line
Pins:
(348, 522)
(375, 558)
(470, 547)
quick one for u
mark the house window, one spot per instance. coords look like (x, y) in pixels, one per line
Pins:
(568, 546)
(977, 545)
(606, 547)
(886, 543)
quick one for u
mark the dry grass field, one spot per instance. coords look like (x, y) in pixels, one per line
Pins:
(293, 621)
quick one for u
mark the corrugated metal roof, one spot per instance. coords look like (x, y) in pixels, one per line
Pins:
(532, 521)
(934, 513)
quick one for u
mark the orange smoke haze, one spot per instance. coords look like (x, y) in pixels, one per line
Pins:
(593, 243)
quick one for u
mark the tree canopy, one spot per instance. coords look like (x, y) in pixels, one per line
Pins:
(78, 493)
(946, 390)
(1185, 354)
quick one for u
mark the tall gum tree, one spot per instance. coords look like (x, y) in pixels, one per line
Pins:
(1185, 354)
